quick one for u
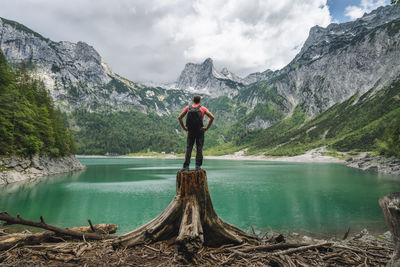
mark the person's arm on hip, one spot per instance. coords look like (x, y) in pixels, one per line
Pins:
(180, 118)
(211, 116)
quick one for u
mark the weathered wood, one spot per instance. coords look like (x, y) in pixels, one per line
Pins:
(4, 216)
(190, 218)
(390, 205)
(346, 234)
(22, 239)
(191, 237)
(102, 228)
(91, 225)
(273, 247)
(13, 240)
(294, 250)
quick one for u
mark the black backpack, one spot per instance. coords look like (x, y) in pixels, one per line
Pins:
(193, 120)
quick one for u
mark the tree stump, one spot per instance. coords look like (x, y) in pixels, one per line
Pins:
(190, 218)
(390, 205)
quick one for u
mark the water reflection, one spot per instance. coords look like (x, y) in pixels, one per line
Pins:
(321, 197)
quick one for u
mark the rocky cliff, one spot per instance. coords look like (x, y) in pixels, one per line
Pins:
(205, 79)
(15, 169)
(334, 64)
(342, 59)
(76, 75)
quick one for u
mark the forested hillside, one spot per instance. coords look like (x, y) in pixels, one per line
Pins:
(368, 122)
(29, 122)
(126, 132)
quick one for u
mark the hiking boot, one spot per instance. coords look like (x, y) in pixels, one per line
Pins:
(197, 167)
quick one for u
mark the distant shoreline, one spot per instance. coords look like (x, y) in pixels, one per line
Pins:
(363, 161)
(308, 157)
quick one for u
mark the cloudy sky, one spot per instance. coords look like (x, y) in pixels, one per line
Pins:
(152, 40)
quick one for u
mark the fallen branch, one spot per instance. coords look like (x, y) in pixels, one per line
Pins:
(361, 251)
(91, 225)
(22, 239)
(14, 240)
(79, 251)
(4, 216)
(346, 234)
(272, 247)
(303, 248)
(103, 228)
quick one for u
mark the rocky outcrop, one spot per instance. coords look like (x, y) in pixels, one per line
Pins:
(338, 61)
(258, 76)
(230, 75)
(375, 163)
(205, 79)
(15, 169)
(322, 40)
(76, 75)
(335, 63)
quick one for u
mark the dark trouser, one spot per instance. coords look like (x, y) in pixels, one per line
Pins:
(191, 138)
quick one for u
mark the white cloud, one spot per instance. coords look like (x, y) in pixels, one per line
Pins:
(355, 12)
(153, 39)
(245, 35)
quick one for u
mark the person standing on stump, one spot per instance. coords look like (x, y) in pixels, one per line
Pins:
(195, 128)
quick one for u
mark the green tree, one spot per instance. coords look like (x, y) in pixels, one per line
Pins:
(29, 123)
(7, 78)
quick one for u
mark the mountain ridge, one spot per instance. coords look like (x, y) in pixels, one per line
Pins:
(76, 75)
(325, 73)
(335, 63)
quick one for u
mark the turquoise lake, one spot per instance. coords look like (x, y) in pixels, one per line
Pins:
(324, 198)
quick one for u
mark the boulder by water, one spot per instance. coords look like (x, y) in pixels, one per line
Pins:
(375, 163)
(15, 169)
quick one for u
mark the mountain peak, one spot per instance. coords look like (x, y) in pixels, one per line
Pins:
(205, 79)
(322, 41)
(208, 61)
(20, 27)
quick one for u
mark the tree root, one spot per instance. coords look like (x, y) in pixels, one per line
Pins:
(190, 218)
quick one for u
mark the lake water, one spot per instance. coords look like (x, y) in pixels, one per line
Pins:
(318, 197)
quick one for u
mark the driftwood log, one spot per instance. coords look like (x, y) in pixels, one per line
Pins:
(8, 241)
(390, 205)
(14, 240)
(74, 232)
(102, 228)
(190, 218)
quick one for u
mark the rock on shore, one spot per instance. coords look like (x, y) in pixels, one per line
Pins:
(375, 163)
(14, 169)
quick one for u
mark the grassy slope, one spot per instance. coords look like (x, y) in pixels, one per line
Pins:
(356, 124)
